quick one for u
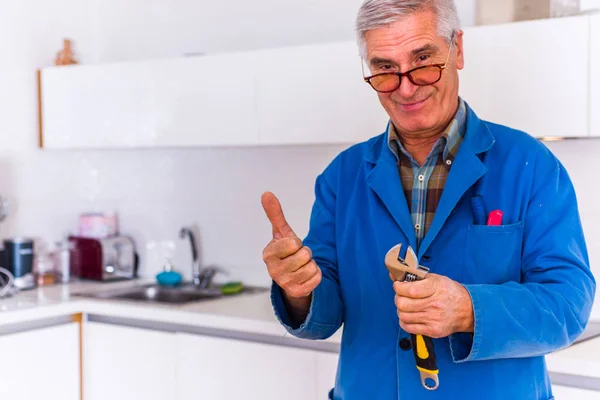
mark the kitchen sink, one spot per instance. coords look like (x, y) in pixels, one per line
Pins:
(153, 293)
(165, 295)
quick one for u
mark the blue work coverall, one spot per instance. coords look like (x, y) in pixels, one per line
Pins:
(529, 279)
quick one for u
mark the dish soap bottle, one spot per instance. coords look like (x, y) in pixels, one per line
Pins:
(168, 277)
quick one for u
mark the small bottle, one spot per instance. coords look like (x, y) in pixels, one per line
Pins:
(62, 258)
(44, 270)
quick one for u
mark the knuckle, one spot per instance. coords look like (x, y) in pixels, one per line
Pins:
(436, 305)
(401, 303)
(267, 253)
(303, 290)
(435, 332)
(292, 290)
(273, 268)
(286, 282)
(316, 270)
(298, 291)
(415, 292)
(306, 254)
(295, 244)
(303, 256)
(289, 246)
(318, 275)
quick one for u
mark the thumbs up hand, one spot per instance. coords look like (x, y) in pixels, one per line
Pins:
(288, 261)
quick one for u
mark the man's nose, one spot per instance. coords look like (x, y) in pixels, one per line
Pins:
(407, 89)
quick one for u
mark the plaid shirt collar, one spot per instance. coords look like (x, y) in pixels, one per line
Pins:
(448, 142)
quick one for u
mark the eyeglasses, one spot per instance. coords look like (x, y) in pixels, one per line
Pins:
(425, 75)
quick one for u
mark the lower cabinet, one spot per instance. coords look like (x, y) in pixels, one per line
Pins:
(40, 364)
(124, 363)
(224, 369)
(568, 393)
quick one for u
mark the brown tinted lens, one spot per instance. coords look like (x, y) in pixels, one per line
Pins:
(426, 76)
(385, 82)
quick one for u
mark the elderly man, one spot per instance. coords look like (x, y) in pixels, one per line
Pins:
(499, 295)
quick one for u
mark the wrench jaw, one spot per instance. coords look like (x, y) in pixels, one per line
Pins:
(404, 269)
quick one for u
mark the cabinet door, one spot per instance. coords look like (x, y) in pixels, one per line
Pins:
(327, 364)
(40, 364)
(225, 369)
(531, 75)
(199, 101)
(569, 393)
(123, 363)
(595, 75)
(316, 94)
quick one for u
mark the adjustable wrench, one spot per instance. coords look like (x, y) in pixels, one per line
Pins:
(408, 270)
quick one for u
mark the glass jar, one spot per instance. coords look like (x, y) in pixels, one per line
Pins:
(43, 266)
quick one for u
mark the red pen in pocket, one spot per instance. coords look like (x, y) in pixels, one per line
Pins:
(495, 218)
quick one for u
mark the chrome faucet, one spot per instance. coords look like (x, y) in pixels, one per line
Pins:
(195, 263)
(201, 277)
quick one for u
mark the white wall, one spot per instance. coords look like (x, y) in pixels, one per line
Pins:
(158, 191)
(590, 4)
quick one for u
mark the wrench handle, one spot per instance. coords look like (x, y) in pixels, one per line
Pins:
(426, 361)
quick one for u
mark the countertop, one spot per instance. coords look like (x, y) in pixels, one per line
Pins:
(245, 314)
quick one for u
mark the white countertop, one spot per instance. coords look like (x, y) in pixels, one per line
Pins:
(247, 313)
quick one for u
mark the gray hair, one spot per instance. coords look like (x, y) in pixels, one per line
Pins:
(375, 14)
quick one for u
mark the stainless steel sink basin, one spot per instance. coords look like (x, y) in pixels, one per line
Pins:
(154, 293)
(165, 295)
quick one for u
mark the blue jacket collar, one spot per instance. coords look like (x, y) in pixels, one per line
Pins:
(467, 169)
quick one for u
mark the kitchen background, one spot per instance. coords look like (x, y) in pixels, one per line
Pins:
(157, 191)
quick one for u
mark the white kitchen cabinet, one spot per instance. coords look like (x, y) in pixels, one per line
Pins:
(40, 364)
(293, 95)
(531, 75)
(327, 364)
(197, 101)
(569, 393)
(595, 75)
(316, 94)
(124, 363)
(226, 369)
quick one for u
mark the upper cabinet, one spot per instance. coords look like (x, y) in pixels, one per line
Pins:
(316, 94)
(532, 76)
(595, 75)
(158, 103)
(537, 76)
(297, 95)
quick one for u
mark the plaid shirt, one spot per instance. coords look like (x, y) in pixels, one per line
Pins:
(423, 185)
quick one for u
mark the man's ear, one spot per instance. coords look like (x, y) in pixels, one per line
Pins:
(460, 56)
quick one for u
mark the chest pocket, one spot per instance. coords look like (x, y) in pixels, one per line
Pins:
(493, 253)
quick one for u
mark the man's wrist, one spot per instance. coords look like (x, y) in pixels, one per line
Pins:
(467, 320)
(298, 308)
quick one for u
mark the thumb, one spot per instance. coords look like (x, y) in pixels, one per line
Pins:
(274, 212)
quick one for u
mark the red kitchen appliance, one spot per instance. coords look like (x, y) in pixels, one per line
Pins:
(104, 259)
